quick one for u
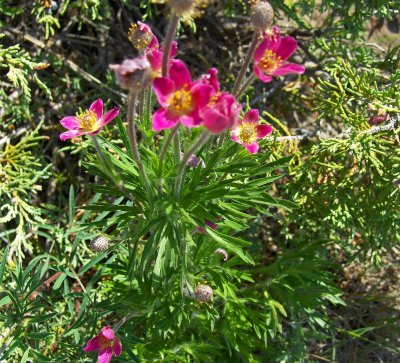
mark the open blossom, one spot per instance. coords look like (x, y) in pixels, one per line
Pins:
(107, 343)
(271, 55)
(89, 122)
(180, 98)
(222, 111)
(249, 131)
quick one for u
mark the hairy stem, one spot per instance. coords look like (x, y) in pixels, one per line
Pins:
(133, 139)
(245, 64)
(246, 84)
(169, 37)
(182, 167)
(165, 147)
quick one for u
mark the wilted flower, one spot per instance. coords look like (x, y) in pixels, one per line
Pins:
(262, 15)
(141, 36)
(180, 98)
(271, 54)
(134, 73)
(100, 244)
(203, 293)
(380, 117)
(106, 343)
(181, 6)
(89, 122)
(249, 131)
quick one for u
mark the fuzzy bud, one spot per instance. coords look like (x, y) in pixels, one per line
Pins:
(222, 252)
(133, 73)
(262, 15)
(195, 161)
(100, 244)
(203, 293)
(181, 6)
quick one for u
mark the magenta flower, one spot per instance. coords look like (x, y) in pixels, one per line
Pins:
(106, 343)
(221, 113)
(89, 122)
(249, 131)
(180, 98)
(208, 223)
(141, 36)
(271, 54)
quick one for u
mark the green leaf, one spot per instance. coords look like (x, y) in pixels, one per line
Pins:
(59, 281)
(3, 263)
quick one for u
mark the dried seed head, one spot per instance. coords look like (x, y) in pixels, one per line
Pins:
(140, 35)
(262, 15)
(181, 6)
(203, 293)
(133, 73)
(100, 244)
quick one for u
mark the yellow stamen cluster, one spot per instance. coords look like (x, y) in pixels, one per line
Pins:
(181, 102)
(105, 343)
(139, 38)
(247, 133)
(87, 120)
(214, 99)
(270, 61)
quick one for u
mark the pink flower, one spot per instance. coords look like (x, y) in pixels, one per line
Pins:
(222, 111)
(271, 54)
(89, 122)
(249, 131)
(141, 36)
(208, 223)
(106, 343)
(180, 98)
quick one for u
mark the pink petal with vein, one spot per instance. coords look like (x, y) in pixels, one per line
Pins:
(288, 68)
(253, 147)
(287, 48)
(70, 122)
(108, 116)
(117, 347)
(70, 134)
(251, 116)
(180, 74)
(163, 120)
(263, 130)
(163, 88)
(97, 107)
(107, 332)
(92, 344)
(260, 75)
(105, 355)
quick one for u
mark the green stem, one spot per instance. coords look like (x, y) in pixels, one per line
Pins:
(245, 64)
(169, 37)
(110, 170)
(165, 147)
(182, 167)
(133, 139)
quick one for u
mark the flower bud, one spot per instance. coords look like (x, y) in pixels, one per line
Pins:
(379, 117)
(203, 293)
(181, 6)
(262, 15)
(100, 244)
(194, 161)
(222, 252)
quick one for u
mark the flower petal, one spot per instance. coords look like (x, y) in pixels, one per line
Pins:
(105, 355)
(163, 88)
(260, 50)
(287, 48)
(260, 75)
(201, 94)
(92, 344)
(70, 134)
(97, 107)
(154, 56)
(263, 130)
(108, 116)
(70, 122)
(163, 120)
(288, 68)
(253, 147)
(174, 49)
(107, 332)
(117, 347)
(180, 74)
(251, 116)
(191, 120)
(215, 121)
(234, 137)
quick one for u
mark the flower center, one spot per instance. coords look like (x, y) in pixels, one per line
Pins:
(214, 99)
(270, 61)
(106, 343)
(139, 38)
(247, 133)
(87, 120)
(181, 102)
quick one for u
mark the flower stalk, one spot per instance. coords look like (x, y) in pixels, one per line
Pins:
(245, 64)
(133, 139)
(169, 37)
(182, 167)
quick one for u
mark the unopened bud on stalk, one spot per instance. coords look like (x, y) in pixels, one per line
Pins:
(181, 6)
(262, 15)
(100, 244)
(203, 293)
(222, 252)
(133, 73)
